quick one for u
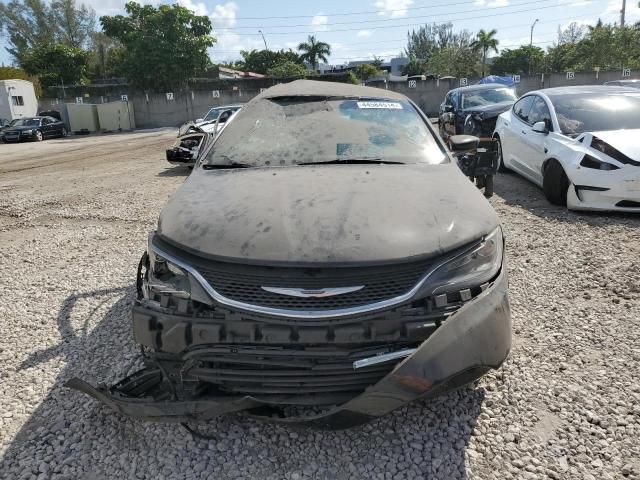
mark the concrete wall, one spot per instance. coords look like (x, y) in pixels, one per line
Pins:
(156, 110)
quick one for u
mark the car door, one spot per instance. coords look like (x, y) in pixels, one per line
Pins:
(534, 144)
(445, 115)
(513, 137)
(56, 126)
(46, 127)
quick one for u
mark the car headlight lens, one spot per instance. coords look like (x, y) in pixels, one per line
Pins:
(28, 132)
(471, 268)
(591, 162)
(167, 278)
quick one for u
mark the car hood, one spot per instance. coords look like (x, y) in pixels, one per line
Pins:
(326, 214)
(490, 111)
(623, 140)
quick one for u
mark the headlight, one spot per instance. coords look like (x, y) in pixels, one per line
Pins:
(591, 162)
(471, 268)
(28, 132)
(167, 278)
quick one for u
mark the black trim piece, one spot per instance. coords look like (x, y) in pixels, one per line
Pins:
(590, 188)
(628, 204)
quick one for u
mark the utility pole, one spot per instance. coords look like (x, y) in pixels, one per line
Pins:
(265, 42)
(531, 43)
(622, 12)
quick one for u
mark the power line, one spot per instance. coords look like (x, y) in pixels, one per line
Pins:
(395, 19)
(446, 4)
(402, 25)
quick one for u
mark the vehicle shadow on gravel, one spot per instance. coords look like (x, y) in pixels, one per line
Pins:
(520, 192)
(178, 171)
(70, 435)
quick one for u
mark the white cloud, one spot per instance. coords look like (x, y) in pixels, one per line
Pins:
(612, 12)
(319, 22)
(393, 8)
(364, 33)
(491, 3)
(575, 3)
(224, 16)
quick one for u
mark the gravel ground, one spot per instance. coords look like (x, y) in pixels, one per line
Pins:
(74, 215)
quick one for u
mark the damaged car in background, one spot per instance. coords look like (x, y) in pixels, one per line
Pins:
(193, 138)
(578, 144)
(326, 253)
(473, 110)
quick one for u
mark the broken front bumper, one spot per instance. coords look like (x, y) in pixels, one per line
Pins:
(473, 340)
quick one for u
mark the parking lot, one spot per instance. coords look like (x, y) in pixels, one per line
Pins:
(74, 218)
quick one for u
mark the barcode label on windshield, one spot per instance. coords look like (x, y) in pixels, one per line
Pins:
(391, 105)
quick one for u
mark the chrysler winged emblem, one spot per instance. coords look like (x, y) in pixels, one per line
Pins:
(313, 292)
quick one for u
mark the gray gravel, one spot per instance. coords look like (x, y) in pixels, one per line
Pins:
(74, 215)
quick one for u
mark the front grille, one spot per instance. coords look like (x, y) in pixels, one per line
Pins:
(293, 371)
(244, 283)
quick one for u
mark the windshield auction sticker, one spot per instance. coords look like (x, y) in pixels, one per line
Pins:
(388, 105)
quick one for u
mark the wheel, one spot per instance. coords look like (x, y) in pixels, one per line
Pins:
(38, 137)
(64, 132)
(555, 183)
(488, 186)
(501, 167)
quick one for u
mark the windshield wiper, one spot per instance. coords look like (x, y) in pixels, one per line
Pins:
(354, 161)
(223, 166)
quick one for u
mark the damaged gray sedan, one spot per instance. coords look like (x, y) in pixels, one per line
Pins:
(326, 252)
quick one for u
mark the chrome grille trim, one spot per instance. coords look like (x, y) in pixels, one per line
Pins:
(311, 314)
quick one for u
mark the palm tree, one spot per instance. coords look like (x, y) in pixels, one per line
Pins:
(313, 50)
(485, 41)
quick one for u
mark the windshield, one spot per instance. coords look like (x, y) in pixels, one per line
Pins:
(480, 98)
(584, 112)
(26, 122)
(296, 130)
(214, 113)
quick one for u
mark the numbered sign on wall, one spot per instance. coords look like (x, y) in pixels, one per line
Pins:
(412, 83)
(516, 79)
(79, 100)
(626, 72)
(571, 75)
(124, 98)
(463, 82)
(169, 95)
(216, 93)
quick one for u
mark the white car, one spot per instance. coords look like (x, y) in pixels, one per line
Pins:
(580, 144)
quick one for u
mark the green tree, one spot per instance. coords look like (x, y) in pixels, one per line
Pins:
(288, 69)
(105, 57)
(377, 62)
(56, 63)
(34, 23)
(314, 51)
(261, 61)
(365, 71)
(516, 61)
(163, 47)
(484, 42)
(414, 67)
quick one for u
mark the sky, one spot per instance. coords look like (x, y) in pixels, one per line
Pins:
(359, 29)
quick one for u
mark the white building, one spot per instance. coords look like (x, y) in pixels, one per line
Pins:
(17, 99)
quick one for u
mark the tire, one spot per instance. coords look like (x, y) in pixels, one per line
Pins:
(501, 167)
(555, 183)
(39, 137)
(488, 186)
(64, 132)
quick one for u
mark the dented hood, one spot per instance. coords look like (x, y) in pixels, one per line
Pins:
(622, 140)
(327, 213)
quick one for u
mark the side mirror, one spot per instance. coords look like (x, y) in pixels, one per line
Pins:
(540, 127)
(463, 143)
(448, 108)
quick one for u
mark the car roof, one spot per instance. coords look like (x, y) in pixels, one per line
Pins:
(310, 88)
(484, 86)
(584, 89)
